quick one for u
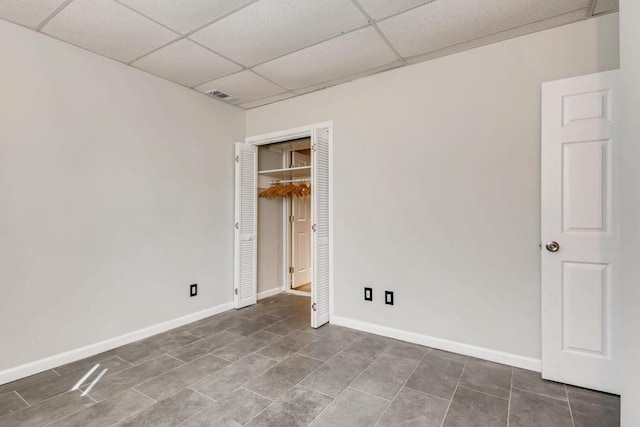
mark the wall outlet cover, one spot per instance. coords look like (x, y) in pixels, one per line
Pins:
(388, 297)
(368, 294)
(193, 290)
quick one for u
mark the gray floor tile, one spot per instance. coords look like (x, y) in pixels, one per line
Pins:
(487, 377)
(248, 327)
(352, 409)
(48, 411)
(533, 382)
(414, 408)
(369, 347)
(334, 331)
(231, 377)
(215, 325)
(137, 352)
(447, 355)
(322, 349)
(257, 310)
(113, 365)
(385, 376)
(84, 364)
(58, 385)
(28, 381)
(282, 377)
(10, 403)
(321, 331)
(107, 412)
(594, 409)
(239, 407)
(286, 346)
(298, 407)
(534, 410)
(171, 340)
(471, 409)
(437, 376)
(170, 411)
(335, 375)
(288, 325)
(328, 345)
(246, 346)
(582, 395)
(407, 350)
(133, 376)
(205, 345)
(586, 415)
(179, 378)
(141, 351)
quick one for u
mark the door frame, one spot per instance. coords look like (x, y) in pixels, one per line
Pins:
(287, 135)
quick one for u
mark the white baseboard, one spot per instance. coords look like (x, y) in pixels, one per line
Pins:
(51, 362)
(442, 344)
(269, 293)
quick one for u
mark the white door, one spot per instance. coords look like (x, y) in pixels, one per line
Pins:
(246, 215)
(301, 231)
(321, 235)
(581, 306)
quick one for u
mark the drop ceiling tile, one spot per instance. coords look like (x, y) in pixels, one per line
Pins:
(30, 13)
(244, 86)
(542, 25)
(270, 28)
(342, 56)
(107, 28)
(442, 24)
(604, 6)
(268, 100)
(184, 15)
(379, 9)
(186, 63)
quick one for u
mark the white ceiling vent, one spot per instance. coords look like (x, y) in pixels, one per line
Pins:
(220, 95)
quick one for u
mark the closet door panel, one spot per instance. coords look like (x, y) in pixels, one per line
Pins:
(321, 241)
(246, 225)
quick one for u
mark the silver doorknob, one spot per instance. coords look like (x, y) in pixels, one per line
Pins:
(552, 246)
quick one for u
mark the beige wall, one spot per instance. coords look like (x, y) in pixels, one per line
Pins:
(630, 71)
(437, 184)
(116, 193)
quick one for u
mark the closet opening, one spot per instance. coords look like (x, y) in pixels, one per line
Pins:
(283, 218)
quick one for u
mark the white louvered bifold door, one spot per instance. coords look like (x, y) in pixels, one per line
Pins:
(320, 285)
(246, 248)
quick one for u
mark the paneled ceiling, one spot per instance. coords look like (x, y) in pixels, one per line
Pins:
(263, 51)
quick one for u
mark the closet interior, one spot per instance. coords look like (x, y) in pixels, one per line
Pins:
(285, 217)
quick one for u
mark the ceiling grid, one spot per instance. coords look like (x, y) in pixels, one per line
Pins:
(264, 51)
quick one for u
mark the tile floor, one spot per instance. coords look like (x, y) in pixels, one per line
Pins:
(264, 366)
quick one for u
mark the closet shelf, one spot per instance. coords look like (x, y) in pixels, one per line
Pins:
(299, 172)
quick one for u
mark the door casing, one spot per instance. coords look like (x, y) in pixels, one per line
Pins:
(287, 135)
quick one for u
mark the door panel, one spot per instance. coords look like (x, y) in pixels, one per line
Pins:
(584, 307)
(581, 306)
(321, 283)
(301, 231)
(587, 170)
(246, 225)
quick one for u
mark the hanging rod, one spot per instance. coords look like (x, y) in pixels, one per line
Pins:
(283, 181)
